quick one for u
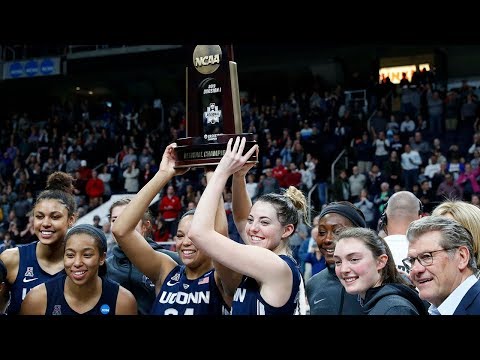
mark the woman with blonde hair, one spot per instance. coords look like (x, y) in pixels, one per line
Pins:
(466, 214)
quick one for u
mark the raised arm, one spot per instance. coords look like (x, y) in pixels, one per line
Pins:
(153, 264)
(241, 202)
(227, 279)
(257, 262)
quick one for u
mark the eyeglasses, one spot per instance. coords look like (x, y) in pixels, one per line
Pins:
(425, 259)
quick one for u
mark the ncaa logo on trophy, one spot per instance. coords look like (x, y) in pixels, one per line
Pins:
(213, 108)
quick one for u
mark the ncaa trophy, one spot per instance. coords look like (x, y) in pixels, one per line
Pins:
(213, 108)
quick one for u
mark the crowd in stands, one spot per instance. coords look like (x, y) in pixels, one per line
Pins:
(412, 136)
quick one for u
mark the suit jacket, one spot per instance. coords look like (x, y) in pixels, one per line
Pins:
(470, 304)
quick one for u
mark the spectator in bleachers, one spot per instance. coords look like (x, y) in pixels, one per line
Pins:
(448, 189)
(145, 175)
(189, 195)
(74, 163)
(368, 209)
(468, 114)
(410, 161)
(452, 106)
(293, 177)
(21, 207)
(170, 207)
(268, 184)
(27, 235)
(341, 187)
(475, 162)
(286, 152)
(393, 169)
(298, 152)
(378, 123)
(61, 164)
(96, 222)
(468, 181)
(114, 170)
(364, 153)
(106, 177)
(357, 182)
(279, 172)
(380, 200)
(6, 165)
(421, 146)
(421, 125)
(392, 127)
(314, 260)
(307, 178)
(435, 111)
(144, 158)
(475, 145)
(94, 189)
(426, 196)
(396, 144)
(160, 231)
(433, 168)
(407, 128)
(374, 179)
(131, 175)
(382, 148)
(6, 241)
(455, 166)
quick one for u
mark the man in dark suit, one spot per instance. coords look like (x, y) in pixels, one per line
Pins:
(443, 266)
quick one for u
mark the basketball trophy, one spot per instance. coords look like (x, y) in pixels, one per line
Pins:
(213, 108)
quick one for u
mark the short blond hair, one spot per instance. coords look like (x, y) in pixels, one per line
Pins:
(468, 215)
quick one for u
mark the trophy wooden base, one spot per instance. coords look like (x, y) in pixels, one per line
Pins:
(198, 151)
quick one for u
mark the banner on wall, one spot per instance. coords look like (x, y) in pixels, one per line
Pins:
(32, 68)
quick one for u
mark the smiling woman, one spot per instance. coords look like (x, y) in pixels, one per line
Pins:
(365, 266)
(27, 266)
(325, 293)
(83, 290)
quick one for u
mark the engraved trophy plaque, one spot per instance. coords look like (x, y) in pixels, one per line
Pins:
(213, 108)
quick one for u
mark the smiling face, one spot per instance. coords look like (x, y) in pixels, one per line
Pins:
(436, 281)
(82, 258)
(356, 266)
(329, 225)
(263, 227)
(190, 255)
(51, 221)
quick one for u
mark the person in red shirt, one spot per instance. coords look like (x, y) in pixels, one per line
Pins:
(279, 172)
(293, 177)
(170, 207)
(160, 232)
(84, 171)
(94, 190)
